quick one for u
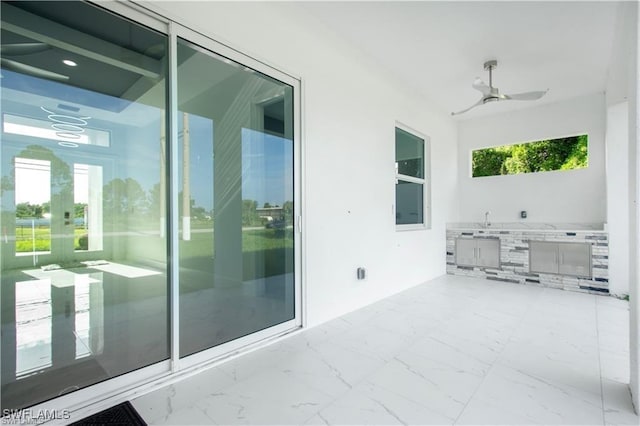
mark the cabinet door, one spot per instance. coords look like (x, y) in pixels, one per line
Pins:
(575, 259)
(466, 251)
(488, 253)
(543, 257)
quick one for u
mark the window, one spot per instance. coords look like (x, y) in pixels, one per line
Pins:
(531, 157)
(412, 192)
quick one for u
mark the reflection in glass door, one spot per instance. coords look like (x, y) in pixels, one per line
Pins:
(33, 207)
(102, 180)
(84, 284)
(237, 236)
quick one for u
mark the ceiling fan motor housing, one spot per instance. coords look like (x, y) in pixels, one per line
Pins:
(489, 65)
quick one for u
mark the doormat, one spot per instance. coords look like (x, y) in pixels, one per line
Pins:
(122, 414)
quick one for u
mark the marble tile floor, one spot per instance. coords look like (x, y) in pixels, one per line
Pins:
(455, 350)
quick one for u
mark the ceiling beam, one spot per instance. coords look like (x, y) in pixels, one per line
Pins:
(57, 35)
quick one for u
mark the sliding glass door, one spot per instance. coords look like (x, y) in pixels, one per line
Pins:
(236, 200)
(137, 228)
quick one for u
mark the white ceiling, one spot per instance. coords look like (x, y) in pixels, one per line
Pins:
(438, 48)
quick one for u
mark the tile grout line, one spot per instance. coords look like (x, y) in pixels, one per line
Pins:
(604, 420)
(496, 360)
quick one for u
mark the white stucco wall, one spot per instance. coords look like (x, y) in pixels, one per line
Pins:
(622, 94)
(350, 109)
(558, 196)
(617, 147)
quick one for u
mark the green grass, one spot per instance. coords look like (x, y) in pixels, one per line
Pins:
(201, 243)
(266, 239)
(24, 238)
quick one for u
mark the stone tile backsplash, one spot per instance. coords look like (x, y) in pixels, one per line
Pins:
(514, 256)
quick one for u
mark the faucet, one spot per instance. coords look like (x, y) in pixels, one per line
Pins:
(486, 219)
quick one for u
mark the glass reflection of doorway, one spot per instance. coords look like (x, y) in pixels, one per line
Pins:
(83, 279)
(33, 208)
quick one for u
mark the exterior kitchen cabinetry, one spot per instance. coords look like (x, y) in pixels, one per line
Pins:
(483, 252)
(560, 258)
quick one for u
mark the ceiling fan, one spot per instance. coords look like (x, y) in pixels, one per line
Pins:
(19, 49)
(492, 94)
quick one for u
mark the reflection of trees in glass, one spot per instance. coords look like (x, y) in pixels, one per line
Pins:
(28, 210)
(154, 201)
(249, 213)
(125, 197)
(541, 156)
(198, 213)
(79, 209)
(287, 211)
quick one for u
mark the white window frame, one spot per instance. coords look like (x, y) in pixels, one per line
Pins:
(425, 182)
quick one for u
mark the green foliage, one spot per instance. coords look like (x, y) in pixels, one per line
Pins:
(287, 211)
(249, 213)
(124, 197)
(488, 162)
(83, 242)
(79, 209)
(547, 155)
(29, 211)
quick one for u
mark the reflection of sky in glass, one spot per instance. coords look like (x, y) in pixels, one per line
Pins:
(27, 172)
(267, 168)
(267, 165)
(80, 183)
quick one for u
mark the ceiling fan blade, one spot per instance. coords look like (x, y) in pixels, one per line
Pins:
(34, 71)
(480, 85)
(23, 48)
(527, 96)
(480, 102)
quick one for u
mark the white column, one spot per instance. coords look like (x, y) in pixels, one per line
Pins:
(95, 215)
(186, 182)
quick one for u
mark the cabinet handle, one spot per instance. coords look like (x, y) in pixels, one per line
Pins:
(479, 252)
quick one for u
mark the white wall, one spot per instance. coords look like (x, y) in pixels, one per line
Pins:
(617, 151)
(559, 196)
(350, 109)
(622, 88)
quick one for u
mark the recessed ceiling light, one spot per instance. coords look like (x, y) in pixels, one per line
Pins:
(70, 63)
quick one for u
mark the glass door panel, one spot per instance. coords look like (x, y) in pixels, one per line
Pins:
(236, 200)
(33, 204)
(83, 279)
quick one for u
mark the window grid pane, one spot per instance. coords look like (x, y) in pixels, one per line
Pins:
(410, 178)
(409, 154)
